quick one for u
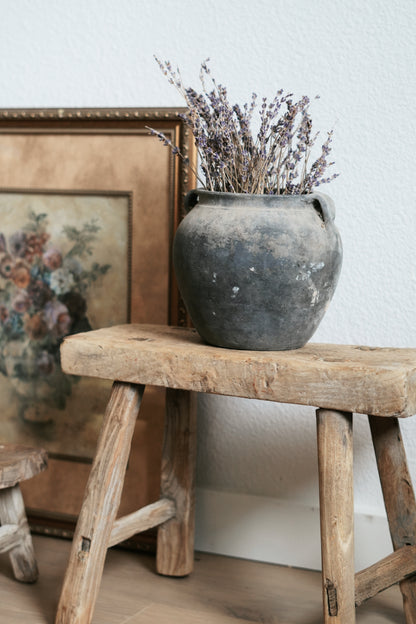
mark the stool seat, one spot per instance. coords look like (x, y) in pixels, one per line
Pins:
(337, 379)
(18, 463)
(365, 380)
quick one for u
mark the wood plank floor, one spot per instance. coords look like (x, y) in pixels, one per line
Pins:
(221, 590)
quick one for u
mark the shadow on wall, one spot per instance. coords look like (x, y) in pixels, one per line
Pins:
(267, 449)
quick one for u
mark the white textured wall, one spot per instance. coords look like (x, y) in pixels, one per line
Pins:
(360, 57)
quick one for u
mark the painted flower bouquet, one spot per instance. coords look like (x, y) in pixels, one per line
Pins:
(42, 299)
(275, 160)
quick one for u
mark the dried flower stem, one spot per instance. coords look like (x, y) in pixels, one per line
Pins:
(275, 162)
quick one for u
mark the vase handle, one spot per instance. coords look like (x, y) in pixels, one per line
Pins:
(191, 200)
(324, 205)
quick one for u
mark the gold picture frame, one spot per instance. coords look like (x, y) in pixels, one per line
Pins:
(99, 152)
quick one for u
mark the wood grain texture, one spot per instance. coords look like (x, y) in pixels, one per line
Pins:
(222, 590)
(9, 537)
(141, 520)
(348, 378)
(335, 459)
(18, 463)
(399, 497)
(21, 553)
(385, 573)
(175, 541)
(166, 614)
(100, 506)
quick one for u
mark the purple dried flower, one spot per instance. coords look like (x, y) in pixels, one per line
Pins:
(274, 161)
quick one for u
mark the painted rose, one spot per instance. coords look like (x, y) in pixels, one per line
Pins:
(63, 324)
(21, 274)
(39, 293)
(52, 259)
(36, 326)
(57, 318)
(35, 244)
(21, 302)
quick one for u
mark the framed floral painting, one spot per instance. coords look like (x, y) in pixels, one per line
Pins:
(89, 203)
(64, 269)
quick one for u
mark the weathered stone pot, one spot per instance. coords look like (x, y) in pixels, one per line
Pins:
(257, 271)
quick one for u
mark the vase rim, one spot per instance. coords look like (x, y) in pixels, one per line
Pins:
(321, 202)
(246, 196)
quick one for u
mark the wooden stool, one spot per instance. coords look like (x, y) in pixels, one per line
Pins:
(339, 379)
(18, 463)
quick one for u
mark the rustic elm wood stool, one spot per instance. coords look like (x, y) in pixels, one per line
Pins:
(338, 379)
(18, 463)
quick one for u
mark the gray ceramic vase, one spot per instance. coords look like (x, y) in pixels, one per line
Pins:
(257, 271)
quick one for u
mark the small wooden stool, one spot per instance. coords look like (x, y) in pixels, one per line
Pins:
(339, 379)
(18, 463)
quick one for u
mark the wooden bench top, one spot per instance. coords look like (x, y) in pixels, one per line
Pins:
(18, 463)
(367, 380)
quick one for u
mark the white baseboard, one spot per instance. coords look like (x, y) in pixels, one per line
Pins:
(277, 531)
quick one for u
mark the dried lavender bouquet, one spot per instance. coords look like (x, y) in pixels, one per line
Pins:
(274, 161)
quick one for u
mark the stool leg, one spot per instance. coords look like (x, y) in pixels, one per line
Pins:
(175, 541)
(100, 506)
(22, 556)
(399, 497)
(335, 457)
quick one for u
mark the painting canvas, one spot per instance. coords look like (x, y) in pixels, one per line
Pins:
(64, 268)
(52, 160)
